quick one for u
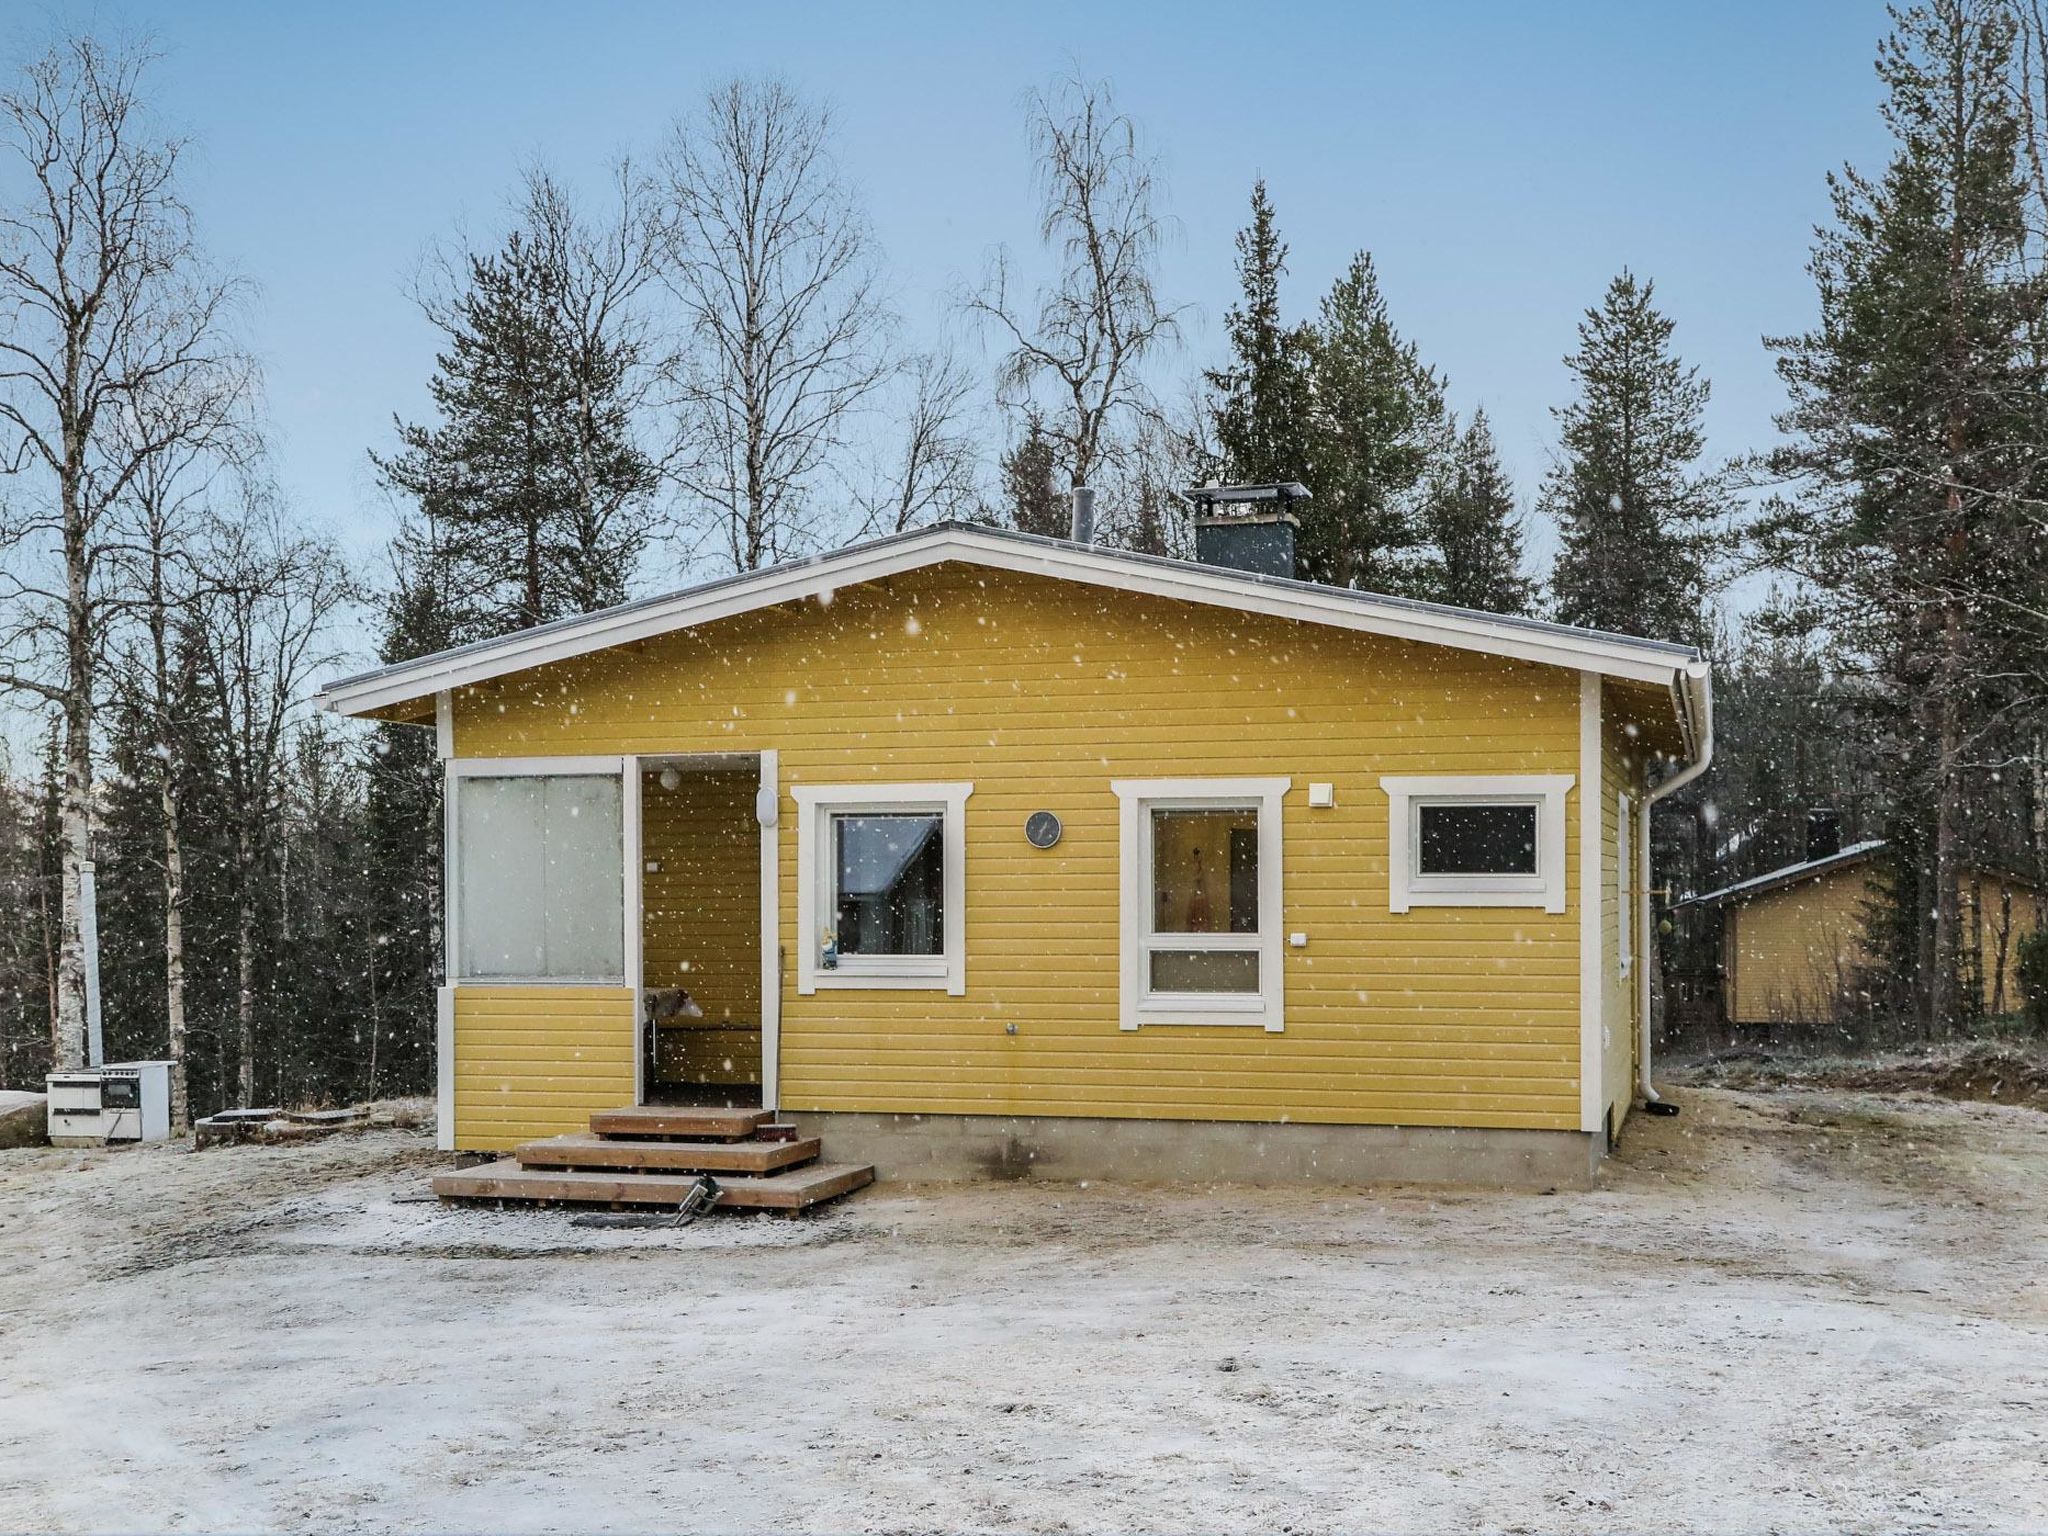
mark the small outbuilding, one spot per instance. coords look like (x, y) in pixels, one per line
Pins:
(1795, 943)
(980, 852)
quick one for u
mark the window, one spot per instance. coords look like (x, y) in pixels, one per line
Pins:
(1476, 840)
(882, 895)
(1201, 901)
(1624, 884)
(539, 877)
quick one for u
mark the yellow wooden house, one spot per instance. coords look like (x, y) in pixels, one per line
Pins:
(979, 852)
(1795, 946)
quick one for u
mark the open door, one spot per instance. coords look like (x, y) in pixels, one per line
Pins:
(706, 989)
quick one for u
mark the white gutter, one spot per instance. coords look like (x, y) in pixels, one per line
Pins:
(1697, 673)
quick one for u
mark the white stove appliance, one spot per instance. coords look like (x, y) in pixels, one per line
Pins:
(120, 1102)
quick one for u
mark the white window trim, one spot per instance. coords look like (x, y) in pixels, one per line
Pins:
(814, 803)
(1624, 881)
(460, 768)
(1408, 793)
(1267, 1009)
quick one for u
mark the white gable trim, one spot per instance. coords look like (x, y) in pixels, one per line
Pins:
(1549, 645)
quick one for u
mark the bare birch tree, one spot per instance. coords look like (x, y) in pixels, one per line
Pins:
(103, 295)
(1077, 349)
(272, 596)
(773, 266)
(160, 554)
(927, 471)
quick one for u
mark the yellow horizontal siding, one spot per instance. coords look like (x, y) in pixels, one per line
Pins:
(1040, 694)
(535, 1061)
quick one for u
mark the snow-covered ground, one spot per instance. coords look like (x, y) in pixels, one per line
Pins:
(1797, 1311)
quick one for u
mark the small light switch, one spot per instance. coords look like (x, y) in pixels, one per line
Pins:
(1322, 796)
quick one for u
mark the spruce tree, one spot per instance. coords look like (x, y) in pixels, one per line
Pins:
(402, 832)
(1642, 527)
(1913, 441)
(1378, 419)
(1031, 499)
(1470, 522)
(1261, 401)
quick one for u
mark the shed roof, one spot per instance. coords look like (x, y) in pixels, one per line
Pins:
(1679, 668)
(1790, 874)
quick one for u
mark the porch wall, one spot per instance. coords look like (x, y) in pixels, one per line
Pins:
(536, 1060)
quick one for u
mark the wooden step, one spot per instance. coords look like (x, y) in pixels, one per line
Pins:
(679, 1120)
(792, 1191)
(672, 1156)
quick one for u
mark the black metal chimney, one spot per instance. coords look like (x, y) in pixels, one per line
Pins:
(1823, 833)
(1248, 527)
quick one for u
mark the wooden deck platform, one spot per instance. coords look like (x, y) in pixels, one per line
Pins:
(508, 1179)
(679, 1120)
(651, 1155)
(667, 1156)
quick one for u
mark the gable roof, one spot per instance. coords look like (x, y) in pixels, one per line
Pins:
(1680, 668)
(1789, 874)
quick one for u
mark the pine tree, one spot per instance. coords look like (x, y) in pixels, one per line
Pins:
(1378, 418)
(1031, 498)
(1642, 528)
(1917, 411)
(1470, 522)
(533, 476)
(1261, 402)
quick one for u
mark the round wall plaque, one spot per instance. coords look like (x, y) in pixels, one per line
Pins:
(1042, 829)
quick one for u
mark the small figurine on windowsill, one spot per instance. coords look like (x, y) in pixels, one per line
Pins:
(829, 959)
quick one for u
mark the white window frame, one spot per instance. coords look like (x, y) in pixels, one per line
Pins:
(1264, 1009)
(1624, 881)
(1408, 887)
(461, 769)
(815, 804)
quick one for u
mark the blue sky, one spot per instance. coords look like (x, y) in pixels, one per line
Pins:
(1501, 161)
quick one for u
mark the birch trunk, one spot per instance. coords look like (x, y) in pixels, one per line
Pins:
(245, 967)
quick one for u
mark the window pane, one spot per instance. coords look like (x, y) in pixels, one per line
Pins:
(499, 850)
(1477, 840)
(539, 862)
(889, 882)
(1205, 970)
(1205, 871)
(586, 898)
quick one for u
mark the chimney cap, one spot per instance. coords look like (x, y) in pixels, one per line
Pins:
(1285, 492)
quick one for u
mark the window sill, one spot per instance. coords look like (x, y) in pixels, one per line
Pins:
(1256, 1014)
(1540, 900)
(879, 981)
(619, 982)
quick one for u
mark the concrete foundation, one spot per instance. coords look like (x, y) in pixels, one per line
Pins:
(915, 1147)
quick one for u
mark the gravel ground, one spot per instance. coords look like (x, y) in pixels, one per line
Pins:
(1788, 1310)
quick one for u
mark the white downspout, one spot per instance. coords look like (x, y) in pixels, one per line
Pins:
(1701, 672)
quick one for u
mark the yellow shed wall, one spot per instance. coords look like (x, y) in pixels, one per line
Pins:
(1787, 952)
(536, 1060)
(1041, 693)
(1997, 914)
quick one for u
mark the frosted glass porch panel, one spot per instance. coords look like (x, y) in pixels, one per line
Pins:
(539, 890)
